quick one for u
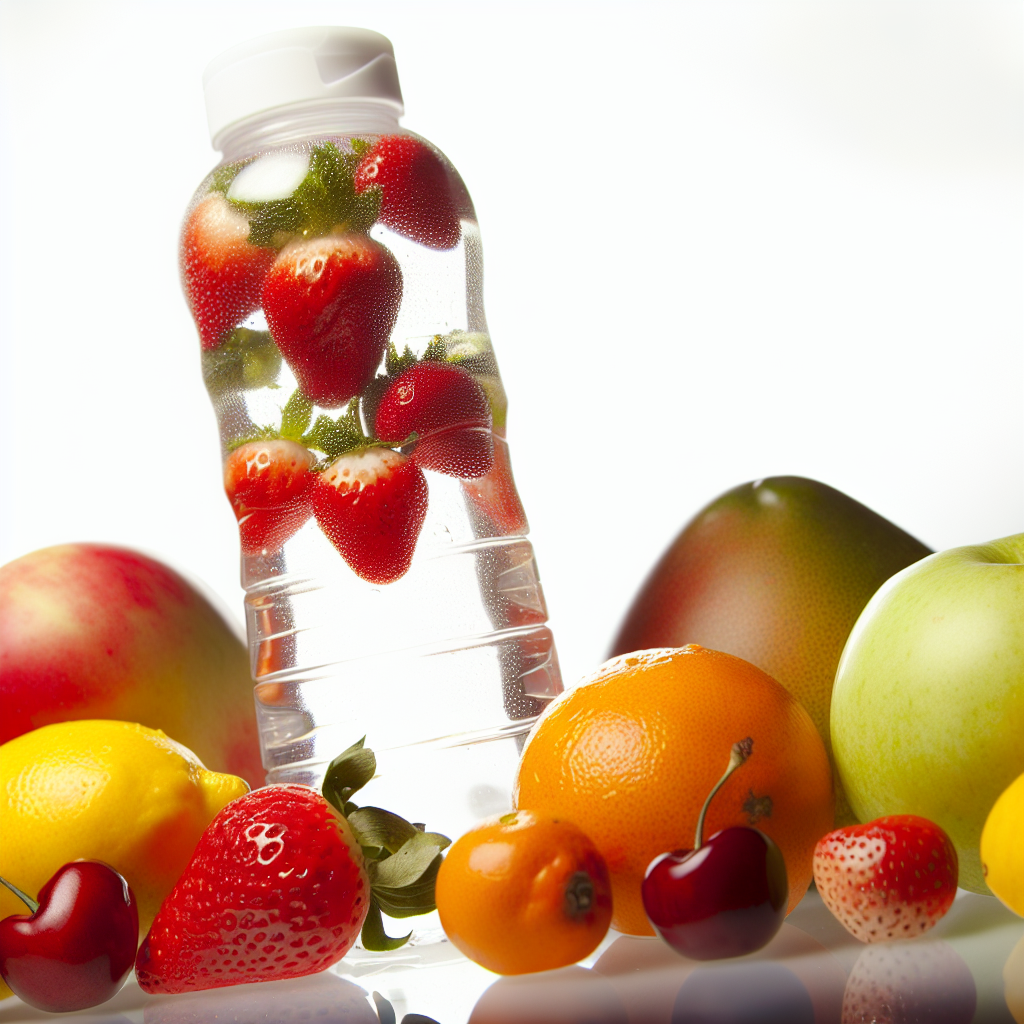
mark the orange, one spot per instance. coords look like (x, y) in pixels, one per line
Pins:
(524, 892)
(630, 754)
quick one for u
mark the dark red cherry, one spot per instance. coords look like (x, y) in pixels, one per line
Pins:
(723, 898)
(77, 946)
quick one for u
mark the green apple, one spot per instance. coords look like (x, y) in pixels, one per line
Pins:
(928, 703)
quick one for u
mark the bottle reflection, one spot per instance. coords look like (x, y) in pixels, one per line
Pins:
(572, 995)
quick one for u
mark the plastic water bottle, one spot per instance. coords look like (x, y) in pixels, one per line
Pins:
(333, 268)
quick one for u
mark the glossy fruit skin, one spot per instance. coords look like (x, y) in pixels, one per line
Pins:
(371, 505)
(331, 304)
(92, 631)
(928, 704)
(726, 899)
(76, 950)
(421, 194)
(776, 572)
(1002, 847)
(268, 484)
(893, 878)
(630, 753)
(449, 411)
(111, 791)
(222, 273)
(276, 888)
(524, 892)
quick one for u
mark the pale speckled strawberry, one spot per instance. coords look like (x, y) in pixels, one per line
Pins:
(893, 878)
(277, 888)
(909, 983)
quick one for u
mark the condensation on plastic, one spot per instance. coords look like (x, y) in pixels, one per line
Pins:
(445, 669)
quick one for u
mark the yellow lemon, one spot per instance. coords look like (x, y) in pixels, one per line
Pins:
(1002, 846)
(101, 790)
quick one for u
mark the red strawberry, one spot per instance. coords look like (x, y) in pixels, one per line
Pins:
(268, 485)
(331, 304)
(221, 271)
(371, 504)
(449, 411)
(892, 878)
(495, 496)
(421, 195)
(276, 888)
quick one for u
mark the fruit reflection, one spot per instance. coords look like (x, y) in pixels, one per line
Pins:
(648, 975)
(323, 998)
(758, 992)
(909, 981)
(1013, 981)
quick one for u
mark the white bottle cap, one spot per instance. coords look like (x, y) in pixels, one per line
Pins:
(296, 66)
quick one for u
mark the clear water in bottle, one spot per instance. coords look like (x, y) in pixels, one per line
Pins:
(335, 277)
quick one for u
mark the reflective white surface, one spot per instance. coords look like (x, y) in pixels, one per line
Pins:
(813, 971)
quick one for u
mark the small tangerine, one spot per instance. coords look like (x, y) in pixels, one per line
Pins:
(524, 892)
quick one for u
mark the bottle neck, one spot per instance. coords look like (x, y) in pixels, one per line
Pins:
(301, 121)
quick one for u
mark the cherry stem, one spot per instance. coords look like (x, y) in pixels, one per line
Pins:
(24, 897)
(740, 752)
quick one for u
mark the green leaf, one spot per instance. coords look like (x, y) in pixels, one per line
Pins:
(256, 434)
(333, 437)
(408, 865)
(220, 180)
(373, 936)
(295, 416)
(395, 364)
(375, 827)
(327, 195)
(267, 220)
(436, 350)
(409, 900)
(360, 147)
(348, 772)
(325, 200)
(244, 361)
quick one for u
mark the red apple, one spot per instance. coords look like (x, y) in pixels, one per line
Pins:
(88, 631)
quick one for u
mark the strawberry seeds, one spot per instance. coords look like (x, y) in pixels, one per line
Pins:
(362, 424)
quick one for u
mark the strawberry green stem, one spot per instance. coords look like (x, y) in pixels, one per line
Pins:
(740, 752)
(26, 899)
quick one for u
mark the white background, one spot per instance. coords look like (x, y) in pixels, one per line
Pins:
(723, 240)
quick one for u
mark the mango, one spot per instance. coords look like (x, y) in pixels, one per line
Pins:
(775, 571)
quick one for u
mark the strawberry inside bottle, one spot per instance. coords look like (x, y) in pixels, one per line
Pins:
(333, 268)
